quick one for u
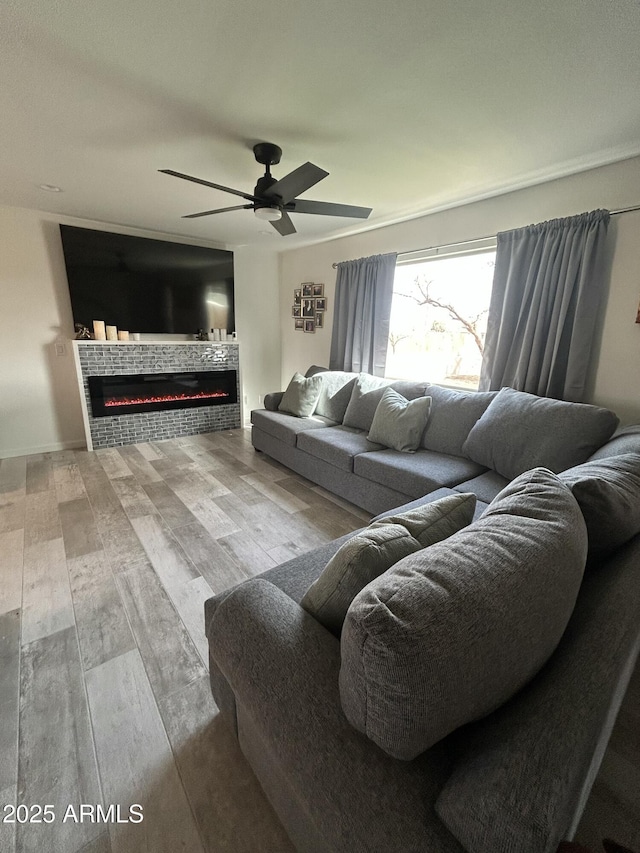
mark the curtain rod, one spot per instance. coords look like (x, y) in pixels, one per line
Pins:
(489, 236)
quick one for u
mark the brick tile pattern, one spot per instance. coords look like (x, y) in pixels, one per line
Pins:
(116, 360)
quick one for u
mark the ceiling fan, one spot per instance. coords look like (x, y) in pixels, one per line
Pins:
(273, 200)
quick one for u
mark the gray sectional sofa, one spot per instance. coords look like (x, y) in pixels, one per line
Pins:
(331, 447)
(373, 739)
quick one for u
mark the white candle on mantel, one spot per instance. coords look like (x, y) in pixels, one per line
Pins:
(99, 331)
(112, 333)
(123, 336)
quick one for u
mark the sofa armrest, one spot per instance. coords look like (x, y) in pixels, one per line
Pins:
(525, 772)
(283, 668)
(272, 401)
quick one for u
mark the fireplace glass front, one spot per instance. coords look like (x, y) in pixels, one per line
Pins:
(152, 392)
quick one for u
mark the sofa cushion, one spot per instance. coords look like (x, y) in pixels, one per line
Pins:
(365, 556)
(335, 392)
(284, 427)
(451, 632)
(398, 422)
(624, 440)
(415, 475)
(378, 547)
(485, 487)
(337, 445)
(520, 431)
(315, 368)
(608, 493)
(433, 521)
(453, 414)
(301, 395)
(367, 393)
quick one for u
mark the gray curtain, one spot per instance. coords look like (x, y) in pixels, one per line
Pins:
(362, 309)
(547, 295)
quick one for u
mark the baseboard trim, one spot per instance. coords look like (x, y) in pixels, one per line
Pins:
(44, 448)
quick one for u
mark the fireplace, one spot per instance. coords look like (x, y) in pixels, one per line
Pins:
(152, 392)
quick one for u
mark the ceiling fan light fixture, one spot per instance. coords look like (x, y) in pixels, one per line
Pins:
(268, 214)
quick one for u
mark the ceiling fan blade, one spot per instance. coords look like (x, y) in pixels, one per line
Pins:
(208, 184)
(327, 208)
(284, 225)
(219, 210)
(296, 182)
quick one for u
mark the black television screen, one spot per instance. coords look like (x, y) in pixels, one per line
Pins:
(142, 285)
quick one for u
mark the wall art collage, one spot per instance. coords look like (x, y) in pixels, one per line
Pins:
(309, 306)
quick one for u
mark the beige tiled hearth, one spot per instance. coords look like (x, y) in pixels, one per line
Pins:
(106, 559)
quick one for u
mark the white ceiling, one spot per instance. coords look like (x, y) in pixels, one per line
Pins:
(411, 106)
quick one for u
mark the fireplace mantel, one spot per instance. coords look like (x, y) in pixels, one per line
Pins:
(110, 358)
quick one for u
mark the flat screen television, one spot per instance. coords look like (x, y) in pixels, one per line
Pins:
(149, 286)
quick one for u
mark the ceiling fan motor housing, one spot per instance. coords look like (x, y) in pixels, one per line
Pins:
(261, 187)
(267, 153)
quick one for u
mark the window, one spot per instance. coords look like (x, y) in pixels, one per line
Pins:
(439, 314)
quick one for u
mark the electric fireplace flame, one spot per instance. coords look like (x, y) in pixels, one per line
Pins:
(164, 398)
(131, 394)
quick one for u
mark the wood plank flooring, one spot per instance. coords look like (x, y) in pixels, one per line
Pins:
(106, 559)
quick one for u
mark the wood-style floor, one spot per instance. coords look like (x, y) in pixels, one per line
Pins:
(106, 559)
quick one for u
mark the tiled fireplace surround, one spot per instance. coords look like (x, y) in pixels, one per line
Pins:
(118, 359)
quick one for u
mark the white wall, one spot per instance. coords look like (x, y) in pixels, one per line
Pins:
(614, 186)
(39, 399)
(257, 323)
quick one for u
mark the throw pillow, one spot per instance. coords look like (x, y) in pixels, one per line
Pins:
(301, 397)
(398, 422)
(361, 559)
(608, 493)
(368, 392)
(453, 414)
(376, 548)
(433, 522)
(451, 632)
(520, 431)
(335, 393)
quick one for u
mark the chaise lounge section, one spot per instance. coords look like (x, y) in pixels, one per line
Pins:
(323, 712)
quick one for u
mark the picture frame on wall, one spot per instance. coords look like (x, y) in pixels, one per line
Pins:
(319, 319)
(296, 311)
(309, 326)
(299, 325)
(307, 289)
(297, 295)
(321, 304)
(309, 308)
(318, 290)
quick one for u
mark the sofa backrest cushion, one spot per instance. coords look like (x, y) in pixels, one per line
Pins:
(399, 423)
(520, 431)
(301, 395)
(451, 632)
(315, 368)
(335, 393)
(608, 493)
(453, 414)
(367, 393)
(378, 547)
(624, 440)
